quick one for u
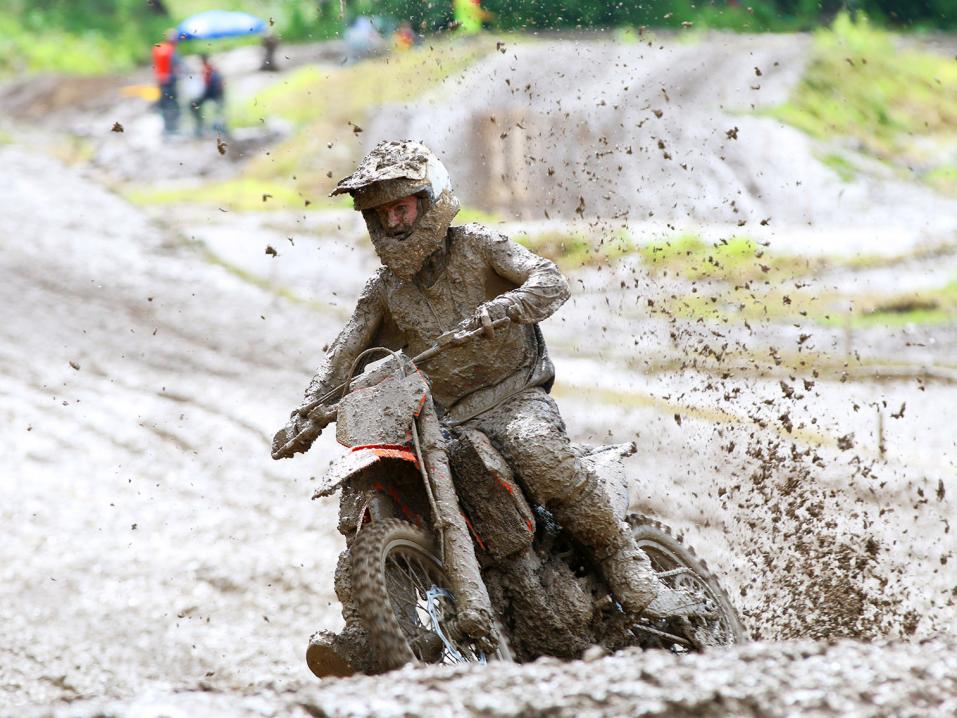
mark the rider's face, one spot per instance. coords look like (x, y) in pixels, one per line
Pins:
(397, 218)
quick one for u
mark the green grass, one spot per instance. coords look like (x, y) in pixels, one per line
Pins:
(575, 250)
(338, 95)
(25, 49)
(943, 178)
(737, 259)
(900, 319)
(238, 195)
(859, 86)
(738, 280)
(472, 214)
(931, 306)
(841, 166)
(774, 303)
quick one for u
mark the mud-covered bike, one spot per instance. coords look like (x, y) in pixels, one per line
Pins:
(447, 559)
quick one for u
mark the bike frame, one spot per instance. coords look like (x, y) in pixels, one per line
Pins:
(367, 459)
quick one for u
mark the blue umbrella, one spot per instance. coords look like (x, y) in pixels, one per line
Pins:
(212, 24)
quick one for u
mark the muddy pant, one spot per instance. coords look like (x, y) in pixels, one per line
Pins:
(530, 433)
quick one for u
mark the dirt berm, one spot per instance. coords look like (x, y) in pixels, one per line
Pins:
(813, 679)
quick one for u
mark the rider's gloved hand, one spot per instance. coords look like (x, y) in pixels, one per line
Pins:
(298, 424)
(498, 308)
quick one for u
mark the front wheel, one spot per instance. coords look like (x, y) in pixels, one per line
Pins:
(403, 596)
(680, 568)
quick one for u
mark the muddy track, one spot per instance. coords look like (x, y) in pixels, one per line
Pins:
(160, 562)
(759, 680)
(158, 552)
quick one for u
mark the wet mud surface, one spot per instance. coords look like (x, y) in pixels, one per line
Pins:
(161, 564)
(844, 678)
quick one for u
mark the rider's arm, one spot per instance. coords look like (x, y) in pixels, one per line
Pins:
(541, 289)
(354, 338)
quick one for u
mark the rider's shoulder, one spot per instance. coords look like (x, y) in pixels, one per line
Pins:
(377, 282)
(476, 234)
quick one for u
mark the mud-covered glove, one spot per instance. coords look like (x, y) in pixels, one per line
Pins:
(498, 308)
(296, 426)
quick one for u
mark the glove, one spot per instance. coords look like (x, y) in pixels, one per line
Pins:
(498, 308)
(297, 424)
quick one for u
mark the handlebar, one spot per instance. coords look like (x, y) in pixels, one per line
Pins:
(319, 415)
(457, 337)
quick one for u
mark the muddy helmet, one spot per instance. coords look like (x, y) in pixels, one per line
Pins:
(391, 171)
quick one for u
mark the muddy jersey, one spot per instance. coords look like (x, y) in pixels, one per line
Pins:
(476, 266)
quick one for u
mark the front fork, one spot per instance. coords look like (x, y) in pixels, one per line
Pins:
(473, 605)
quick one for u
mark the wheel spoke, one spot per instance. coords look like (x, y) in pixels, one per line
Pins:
(700, 631)
(404, 606)
(418, 591)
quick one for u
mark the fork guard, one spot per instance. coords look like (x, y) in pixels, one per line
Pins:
(358, 461)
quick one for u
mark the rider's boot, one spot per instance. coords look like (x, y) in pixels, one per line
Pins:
(338, 654)
(591, 519)
(638, 589)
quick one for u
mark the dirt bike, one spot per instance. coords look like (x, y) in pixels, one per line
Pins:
(447, 561)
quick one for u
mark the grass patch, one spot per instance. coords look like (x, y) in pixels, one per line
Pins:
(932, 306)
(340, 95)
(900, 319)
(738, 259)
(574, 250)
(238, 195)
(841, 166)
(860, 86)
(473, 214)
(750, 303)
(943, 179)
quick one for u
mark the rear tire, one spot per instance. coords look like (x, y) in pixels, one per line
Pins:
(396, 578)
(668, 553)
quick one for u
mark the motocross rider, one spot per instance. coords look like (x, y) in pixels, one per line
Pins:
(435, 278)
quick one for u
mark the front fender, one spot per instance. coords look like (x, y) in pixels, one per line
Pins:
(358, 461)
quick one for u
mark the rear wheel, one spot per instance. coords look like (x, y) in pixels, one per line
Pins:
(680, 568)
(404, 597)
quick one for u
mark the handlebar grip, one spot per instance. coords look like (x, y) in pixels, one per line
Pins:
(303, 440)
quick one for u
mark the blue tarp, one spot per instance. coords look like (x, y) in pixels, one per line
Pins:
(212, 24)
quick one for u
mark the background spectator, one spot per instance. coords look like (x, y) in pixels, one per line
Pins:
(214, 92)
(166, 68)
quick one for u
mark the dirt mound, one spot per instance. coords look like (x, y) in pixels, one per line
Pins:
(757, 680)
(664, 131)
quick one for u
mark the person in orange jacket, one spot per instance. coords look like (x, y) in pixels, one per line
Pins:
(166, 69)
